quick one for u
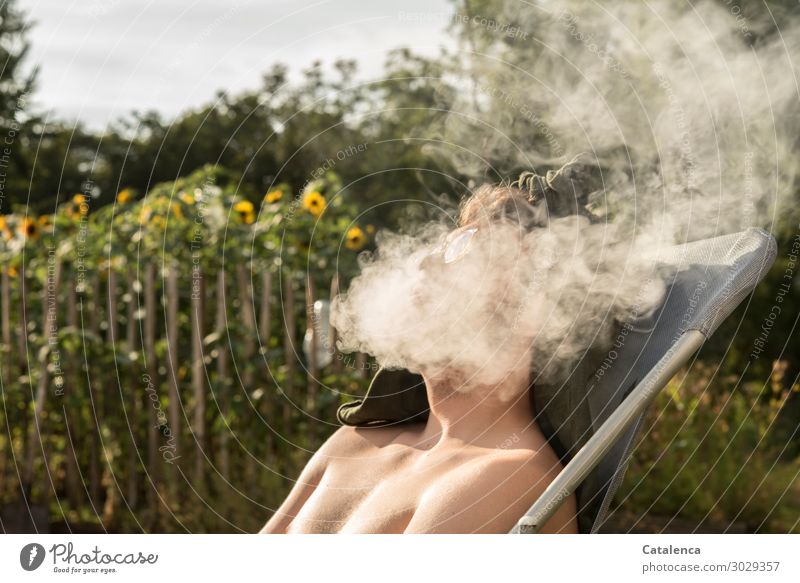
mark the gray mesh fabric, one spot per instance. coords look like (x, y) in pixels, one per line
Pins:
(709, 279)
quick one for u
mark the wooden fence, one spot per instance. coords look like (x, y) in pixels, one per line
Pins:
(159, 398)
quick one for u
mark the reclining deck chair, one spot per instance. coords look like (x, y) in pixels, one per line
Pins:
(591, 420)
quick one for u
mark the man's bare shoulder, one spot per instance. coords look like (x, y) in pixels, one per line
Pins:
(347, 440)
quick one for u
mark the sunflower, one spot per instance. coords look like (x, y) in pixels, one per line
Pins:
(44, 223)
(80, 204)
(274, 196)
(355, 238)
(176, 210)
(29, 229)
(124, 196)
(4, 228)
(314, 203)
(186, 198)
(12, 271)
(246, 211)
(144, 214)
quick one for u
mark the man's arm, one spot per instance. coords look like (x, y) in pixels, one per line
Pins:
(340, 443)
(491, 496)
(309, 479)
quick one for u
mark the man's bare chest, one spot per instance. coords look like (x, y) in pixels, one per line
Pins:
(379, 492)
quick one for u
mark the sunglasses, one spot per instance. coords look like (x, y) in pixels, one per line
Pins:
(454, 245)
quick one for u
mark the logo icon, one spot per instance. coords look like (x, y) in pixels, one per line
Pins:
(31, 556)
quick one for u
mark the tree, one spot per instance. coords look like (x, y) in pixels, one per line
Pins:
(16, 85)
(15, 82)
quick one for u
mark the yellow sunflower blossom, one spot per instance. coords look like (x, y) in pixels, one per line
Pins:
(7, 234)
(29, 229)
(314, 203)
(176, 210)
(124, 196)
(274, 196)
(12, 271)
(186, 198)
(246, 211)
(355, 238)
(80, 203)
(144, 214)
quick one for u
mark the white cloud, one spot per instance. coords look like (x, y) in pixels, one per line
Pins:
(99, 59)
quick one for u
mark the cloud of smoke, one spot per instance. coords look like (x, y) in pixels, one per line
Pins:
(695, 131)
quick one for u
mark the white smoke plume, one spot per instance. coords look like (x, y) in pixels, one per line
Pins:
(694, 127)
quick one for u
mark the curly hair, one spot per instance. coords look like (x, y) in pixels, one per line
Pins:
(533, 199)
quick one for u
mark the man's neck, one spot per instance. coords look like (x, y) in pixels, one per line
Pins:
(477, 413)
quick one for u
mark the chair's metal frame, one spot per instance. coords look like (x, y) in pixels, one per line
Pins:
(587, 458)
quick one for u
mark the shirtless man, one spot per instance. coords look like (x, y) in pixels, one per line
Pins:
(479, 460)
(454, 473)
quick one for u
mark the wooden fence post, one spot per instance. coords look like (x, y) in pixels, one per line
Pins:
(248, 316)
(361, 364)
(73, 471)
(313, 326)
(222, 373)
(289, 348)
(113, 317)
(154, 467)
(336, 365)
(131, 329)
(172, 352)
(98, 399)
(265, 319)
(49, 315)
(6, 309)
(198, 372)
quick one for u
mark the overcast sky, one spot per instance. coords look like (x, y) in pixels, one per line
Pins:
(102, 58)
